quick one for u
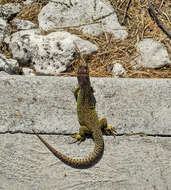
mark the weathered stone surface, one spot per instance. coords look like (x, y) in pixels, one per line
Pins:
(118, 70)
(10, 66)
(20, 45)
(131, 163)
(28, 2)
(92, 17)
(153, 54)
(9, 10)
(28, 71)
(48, 54)
(3, 25)
(20, 24)
(47, 104)
(5, 30)
(3, 73)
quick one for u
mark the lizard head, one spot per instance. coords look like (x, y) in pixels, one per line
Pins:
(83, 76)
(83, 71)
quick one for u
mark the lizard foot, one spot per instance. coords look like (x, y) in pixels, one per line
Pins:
(78, 138)
(109, 130)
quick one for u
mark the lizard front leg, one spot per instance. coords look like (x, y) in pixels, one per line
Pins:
(75, 92)
(107, 129)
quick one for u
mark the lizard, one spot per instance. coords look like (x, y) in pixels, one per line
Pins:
(88, 120)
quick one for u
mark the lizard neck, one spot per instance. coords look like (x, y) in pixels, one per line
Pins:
(86, 100)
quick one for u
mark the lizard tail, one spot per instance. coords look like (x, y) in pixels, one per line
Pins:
(80, 163)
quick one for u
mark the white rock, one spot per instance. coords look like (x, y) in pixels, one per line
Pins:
(118, 70)
(2, 73)
(153, 54)
(49, 54)
(64, 13)
(9, 10)
(28, 2)
(20, 24)
(28, 71)
(10, 66)
(5, 29)
(3, 25)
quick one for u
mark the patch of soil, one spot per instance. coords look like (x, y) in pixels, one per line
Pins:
(135, 16)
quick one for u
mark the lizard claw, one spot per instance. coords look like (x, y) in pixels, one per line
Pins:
(109, 130)
(78, 138)
(74, 141)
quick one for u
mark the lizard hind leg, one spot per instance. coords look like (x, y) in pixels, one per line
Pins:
(81, 136)
(107, 129)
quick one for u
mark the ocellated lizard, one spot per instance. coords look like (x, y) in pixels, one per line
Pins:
(89, 123)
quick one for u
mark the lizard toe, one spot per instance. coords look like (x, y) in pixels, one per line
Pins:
(109, 130)
(78, 138)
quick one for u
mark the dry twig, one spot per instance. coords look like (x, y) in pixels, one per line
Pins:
(126, 11)
(154, 16)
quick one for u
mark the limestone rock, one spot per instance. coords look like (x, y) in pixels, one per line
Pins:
(3, 25)
(9, 10)
(10, 66)
(153, 54)
(28, 71)
(28, 2)
(2, 73)
(48, 54)
(20, 24)
(118, 70)
(92, 17)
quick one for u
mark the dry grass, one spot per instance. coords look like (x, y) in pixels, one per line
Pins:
(117, 51)
(139, 25)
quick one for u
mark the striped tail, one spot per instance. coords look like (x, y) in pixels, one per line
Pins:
(80, 163)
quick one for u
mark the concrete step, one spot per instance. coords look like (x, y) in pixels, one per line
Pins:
(48, 105)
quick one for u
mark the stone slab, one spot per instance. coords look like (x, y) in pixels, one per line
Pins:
(47, 104)
(128, 163)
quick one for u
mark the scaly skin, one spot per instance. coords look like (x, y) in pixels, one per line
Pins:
(89, 123)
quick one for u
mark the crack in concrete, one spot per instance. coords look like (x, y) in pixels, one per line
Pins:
(144, 134)
(69, 134)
